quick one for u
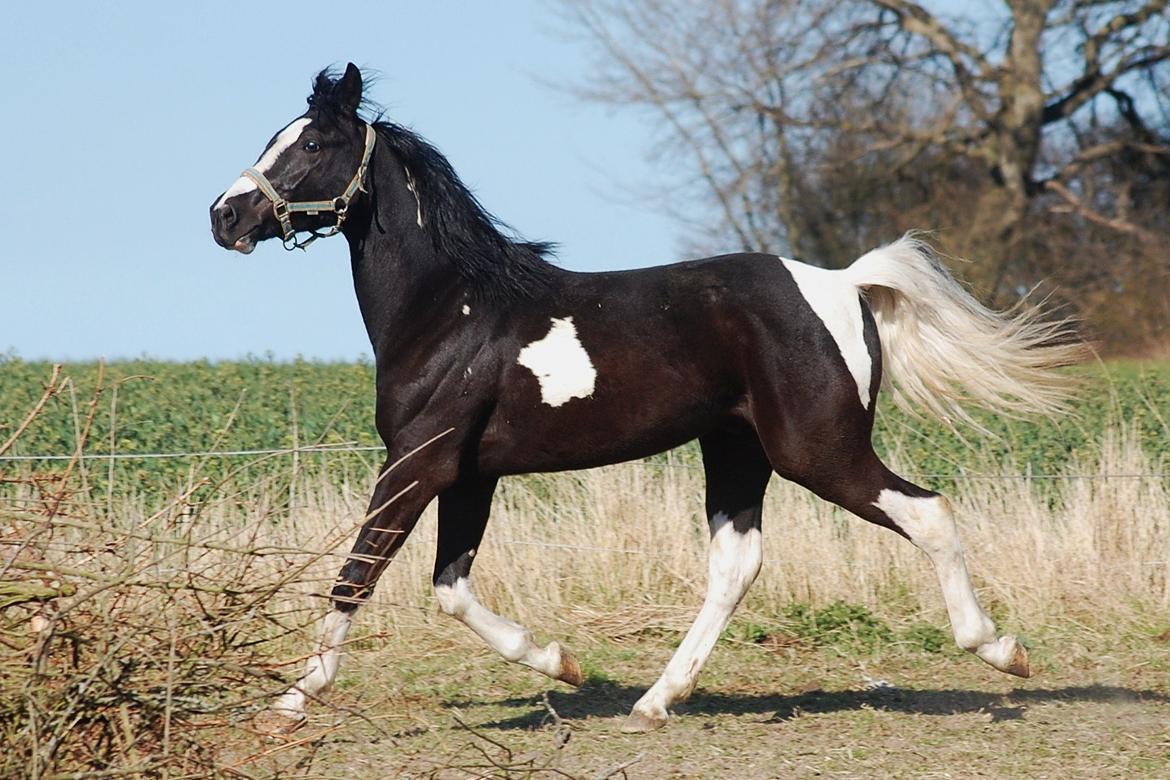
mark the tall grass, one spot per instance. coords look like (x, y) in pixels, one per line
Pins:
(1094, 545)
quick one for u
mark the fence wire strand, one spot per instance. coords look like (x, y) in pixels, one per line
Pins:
(324, 449)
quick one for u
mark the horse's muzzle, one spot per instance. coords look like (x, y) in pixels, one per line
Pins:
(234, 227)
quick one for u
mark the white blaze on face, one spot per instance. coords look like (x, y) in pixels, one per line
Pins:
(560, 364)
(284, 139)
(835, 300)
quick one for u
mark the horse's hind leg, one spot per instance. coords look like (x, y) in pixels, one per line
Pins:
(463, 514)
(927, 519)
(870, 490)
(737, 476)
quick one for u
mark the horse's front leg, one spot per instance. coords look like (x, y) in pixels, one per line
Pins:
(463, 514)
(395, 507)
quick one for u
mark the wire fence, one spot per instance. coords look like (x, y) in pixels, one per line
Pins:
(312, 449)
(328, 449)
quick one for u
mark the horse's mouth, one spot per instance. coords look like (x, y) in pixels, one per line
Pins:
(245, 243)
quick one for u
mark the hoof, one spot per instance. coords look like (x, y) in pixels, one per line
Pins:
(639, 722)
(570, 670)
(1007, 655)
(1018, 663)
(277, 723)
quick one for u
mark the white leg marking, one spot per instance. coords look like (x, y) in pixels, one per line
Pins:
(560, 364)
(931, 526)
(284, 139)
(734, 562)
(320, 669)
(835, 300)
(511, 640)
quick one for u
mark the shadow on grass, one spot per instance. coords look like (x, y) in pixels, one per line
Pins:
(604, 699)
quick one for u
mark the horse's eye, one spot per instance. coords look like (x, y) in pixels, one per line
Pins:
(312, 146)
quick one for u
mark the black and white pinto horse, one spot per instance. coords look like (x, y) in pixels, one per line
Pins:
(491, 361)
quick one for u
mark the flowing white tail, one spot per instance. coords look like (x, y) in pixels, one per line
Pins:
(943, 349)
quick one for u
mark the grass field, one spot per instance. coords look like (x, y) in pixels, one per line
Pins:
(146, 613)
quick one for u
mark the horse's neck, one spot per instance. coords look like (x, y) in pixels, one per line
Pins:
(400, 281)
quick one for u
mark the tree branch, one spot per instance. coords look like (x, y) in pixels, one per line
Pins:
(1079, 206)
(916, 20)
(1095, 78)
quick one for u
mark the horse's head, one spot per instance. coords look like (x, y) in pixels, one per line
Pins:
(307, 177)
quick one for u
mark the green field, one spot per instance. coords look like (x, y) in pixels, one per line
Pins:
(159, 407)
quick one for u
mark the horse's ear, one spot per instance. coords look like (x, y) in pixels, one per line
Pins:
(349, 89)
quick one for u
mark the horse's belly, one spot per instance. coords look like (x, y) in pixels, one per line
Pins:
(584, 433)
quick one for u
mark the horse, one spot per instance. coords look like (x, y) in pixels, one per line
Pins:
(491, 361)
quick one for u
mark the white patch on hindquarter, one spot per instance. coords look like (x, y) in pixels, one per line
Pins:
(466, 310)
(560, 364)
(284, 139)
(835, 300)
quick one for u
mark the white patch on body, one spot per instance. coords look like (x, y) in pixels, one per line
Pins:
(560, 364)
(511, 640)
(835, 300)
(466, 310)
(320, 669)
(733, 564)
(284, 139)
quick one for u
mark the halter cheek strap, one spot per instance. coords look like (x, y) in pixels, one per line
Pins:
(284, 209)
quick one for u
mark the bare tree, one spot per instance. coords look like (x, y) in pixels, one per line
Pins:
(820, 126)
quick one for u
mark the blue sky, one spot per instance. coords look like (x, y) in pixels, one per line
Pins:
(124, 121)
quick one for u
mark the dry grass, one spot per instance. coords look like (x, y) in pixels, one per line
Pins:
(631, 538)
(131, 633)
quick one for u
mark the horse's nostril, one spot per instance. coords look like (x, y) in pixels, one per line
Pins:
(226, 215)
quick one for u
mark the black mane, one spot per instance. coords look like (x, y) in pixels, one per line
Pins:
(461, 229)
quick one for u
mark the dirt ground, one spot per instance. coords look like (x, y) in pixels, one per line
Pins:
(1095, 707)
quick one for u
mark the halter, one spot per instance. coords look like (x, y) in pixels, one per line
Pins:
(284, 209)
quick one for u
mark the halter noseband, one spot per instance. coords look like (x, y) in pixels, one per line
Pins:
(284, 209)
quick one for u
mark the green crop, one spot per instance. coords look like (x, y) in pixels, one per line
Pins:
(150, 406)
(158, 407)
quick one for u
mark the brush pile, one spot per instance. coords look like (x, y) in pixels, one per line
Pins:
(126, 636)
